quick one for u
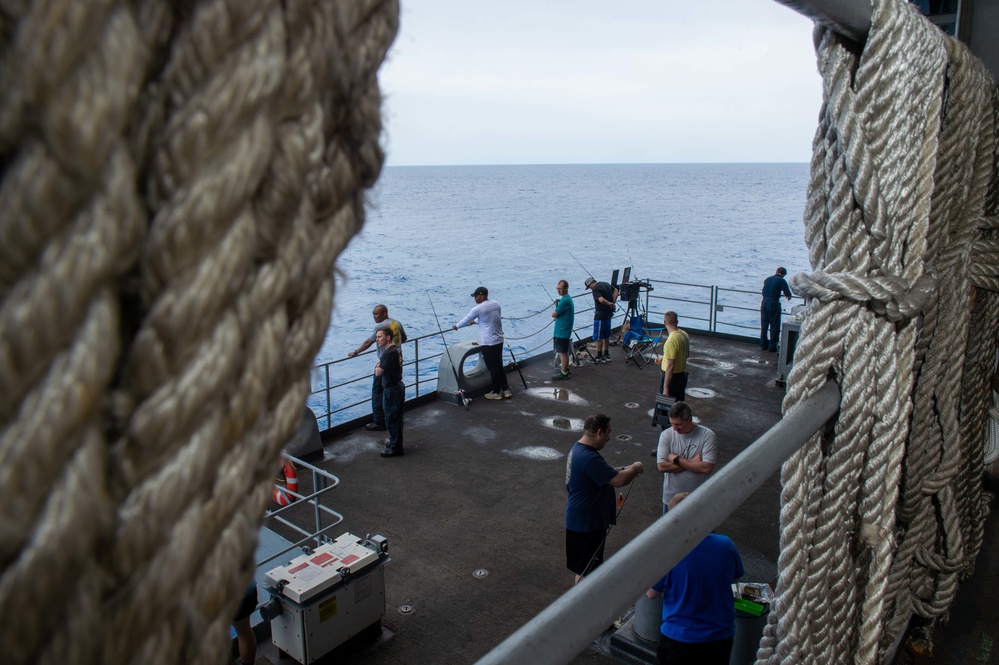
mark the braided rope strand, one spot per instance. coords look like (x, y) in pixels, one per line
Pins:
(155, 216)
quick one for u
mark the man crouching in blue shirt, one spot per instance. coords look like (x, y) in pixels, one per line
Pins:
(698, 605)
(590, 509)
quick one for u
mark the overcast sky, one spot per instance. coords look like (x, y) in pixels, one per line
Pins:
(587, 81)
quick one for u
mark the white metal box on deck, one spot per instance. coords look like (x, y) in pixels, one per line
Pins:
(789, 331)
(328, 596)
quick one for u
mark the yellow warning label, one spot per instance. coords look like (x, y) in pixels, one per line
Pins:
(327, 609)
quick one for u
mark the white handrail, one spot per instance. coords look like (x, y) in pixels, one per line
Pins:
(850, 18)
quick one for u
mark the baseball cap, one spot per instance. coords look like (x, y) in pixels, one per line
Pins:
(589, 280)
(481, 291)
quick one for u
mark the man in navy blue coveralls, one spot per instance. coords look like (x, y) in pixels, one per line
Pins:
(773, 287)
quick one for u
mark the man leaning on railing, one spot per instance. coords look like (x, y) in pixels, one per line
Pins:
(382, 322)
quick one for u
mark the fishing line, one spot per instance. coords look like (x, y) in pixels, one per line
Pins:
(515, 363)
(645, 502)
(621, 502)
(460, 391)
(580, 264)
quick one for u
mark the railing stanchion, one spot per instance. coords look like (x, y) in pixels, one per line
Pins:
(329, 404)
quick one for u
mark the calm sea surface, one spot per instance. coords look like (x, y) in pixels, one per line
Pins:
(434, 233)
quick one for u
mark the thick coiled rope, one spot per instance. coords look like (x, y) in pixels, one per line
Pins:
(893, 211)
(177, 181)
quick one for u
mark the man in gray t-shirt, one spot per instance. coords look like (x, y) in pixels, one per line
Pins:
(687, 453)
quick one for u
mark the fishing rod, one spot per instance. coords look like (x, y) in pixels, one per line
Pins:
(622, 498)
(515, 363)
(581, 265)
(460, 392)
(555, 302)
(578, 338)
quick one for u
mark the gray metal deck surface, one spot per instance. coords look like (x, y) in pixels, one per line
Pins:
(484, 489)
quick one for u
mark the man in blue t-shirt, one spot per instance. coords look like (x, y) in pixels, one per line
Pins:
(564, 315)
(698, 605)
(589, 510)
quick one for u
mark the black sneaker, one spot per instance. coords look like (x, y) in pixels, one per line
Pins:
(392, 453)
(560, 376)
(371, 427)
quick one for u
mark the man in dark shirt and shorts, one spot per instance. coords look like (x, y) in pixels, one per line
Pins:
(604, 297)
(590, 508)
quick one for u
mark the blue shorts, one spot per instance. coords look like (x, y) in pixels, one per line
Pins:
(601, 329)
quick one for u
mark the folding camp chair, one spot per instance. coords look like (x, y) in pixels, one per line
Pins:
(641, 341)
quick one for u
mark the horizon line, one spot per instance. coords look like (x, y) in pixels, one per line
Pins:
(387, 165)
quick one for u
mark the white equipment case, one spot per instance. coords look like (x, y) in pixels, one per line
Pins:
(328, 595)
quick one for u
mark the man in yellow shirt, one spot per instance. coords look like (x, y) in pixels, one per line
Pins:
(674, 359)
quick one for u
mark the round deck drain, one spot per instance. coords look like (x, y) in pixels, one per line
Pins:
(730, 374)
(479, 573)
(406, 609)
(631, 405)
(624, 437)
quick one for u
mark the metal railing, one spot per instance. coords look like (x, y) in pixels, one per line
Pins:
(714, 309)
(322, 482)
(421, 356)
(568, 625)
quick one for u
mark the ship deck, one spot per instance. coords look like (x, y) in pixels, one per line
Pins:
(484, 490)
(474, 511)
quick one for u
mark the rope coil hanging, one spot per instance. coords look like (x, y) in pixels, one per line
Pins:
(177, 181)
(893, 214)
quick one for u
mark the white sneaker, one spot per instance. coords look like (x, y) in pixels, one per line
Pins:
(493, 396)
(507, 393)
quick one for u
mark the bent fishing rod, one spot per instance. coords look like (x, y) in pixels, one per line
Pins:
(460, 392)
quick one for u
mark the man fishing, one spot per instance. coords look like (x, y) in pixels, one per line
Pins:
(487, 315)
(590, 508)
(564, 315)
(604, 297)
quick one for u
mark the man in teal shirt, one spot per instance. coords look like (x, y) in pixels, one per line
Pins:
(564, 315)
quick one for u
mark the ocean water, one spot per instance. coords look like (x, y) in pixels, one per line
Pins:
(434, 233)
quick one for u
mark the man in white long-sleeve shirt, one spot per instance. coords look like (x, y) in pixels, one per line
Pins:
(486, 314)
